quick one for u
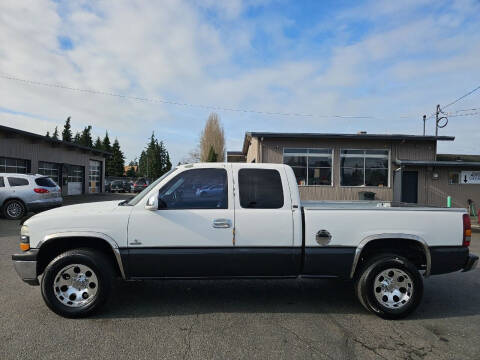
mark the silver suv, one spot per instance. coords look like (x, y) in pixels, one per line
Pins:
(20, 193)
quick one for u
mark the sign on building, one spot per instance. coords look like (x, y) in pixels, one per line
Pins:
(470, 177)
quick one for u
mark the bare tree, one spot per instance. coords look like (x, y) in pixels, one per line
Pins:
(193, 156)
(212, 136)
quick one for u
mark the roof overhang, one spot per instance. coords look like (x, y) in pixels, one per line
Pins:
(333, 136)
(438, 163)
(30, 135)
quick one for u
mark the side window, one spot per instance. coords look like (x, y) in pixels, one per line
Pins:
(196, 189)
(260, 189)
(14, 181)
(2, 182)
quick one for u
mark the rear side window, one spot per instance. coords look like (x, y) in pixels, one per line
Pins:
(260, 189)
(15, 181)
(2, 182)
(45, 182)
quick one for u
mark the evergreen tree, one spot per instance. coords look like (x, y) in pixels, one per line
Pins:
(86, 137)
(154, 160)
(212, 155)
(47, 134)
(98, 144)
(76, 139)
(118, 159)
(55, 133)
(67, 132)
(109, 171)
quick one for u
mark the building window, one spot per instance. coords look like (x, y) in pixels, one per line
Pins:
(453, 178)
(364, 168)
(17, 166)
(311, 166)
(95, 176)
(51, 170)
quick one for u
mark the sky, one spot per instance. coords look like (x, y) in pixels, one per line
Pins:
(385, 62)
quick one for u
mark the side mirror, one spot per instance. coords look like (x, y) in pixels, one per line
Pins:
(152, 203)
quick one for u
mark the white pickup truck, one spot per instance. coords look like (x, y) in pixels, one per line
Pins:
(235, 220)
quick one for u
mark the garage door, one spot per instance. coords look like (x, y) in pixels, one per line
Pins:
(75, 176)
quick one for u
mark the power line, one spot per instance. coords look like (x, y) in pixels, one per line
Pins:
(468, 114)
(457, 111)
(461, 97)
(455, 101)
(163, 101)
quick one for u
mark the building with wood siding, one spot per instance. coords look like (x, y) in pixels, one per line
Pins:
(77, 169)
(394, 167)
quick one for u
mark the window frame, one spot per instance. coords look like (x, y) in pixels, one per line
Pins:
(459, 173)
(226, 191)
(389, 169)
(330, 153)
(3, 163)
(284, 197)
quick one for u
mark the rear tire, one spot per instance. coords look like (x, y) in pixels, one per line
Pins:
(77, 283)
(14, 209)
(389, 286)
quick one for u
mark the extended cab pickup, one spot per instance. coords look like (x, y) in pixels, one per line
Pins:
(234, 220)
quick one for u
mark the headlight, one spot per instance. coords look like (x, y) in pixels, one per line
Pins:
(24, 238)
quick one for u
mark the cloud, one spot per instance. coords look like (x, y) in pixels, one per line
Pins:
(386, 59)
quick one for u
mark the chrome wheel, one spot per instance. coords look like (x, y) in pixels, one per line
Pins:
(393, 288)
(76, 285)
(14, 209)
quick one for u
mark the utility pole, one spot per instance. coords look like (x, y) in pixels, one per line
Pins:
(424, 121)
(438, 119)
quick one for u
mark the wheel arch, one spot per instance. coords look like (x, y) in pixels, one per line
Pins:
(395, 241)
(55, 244)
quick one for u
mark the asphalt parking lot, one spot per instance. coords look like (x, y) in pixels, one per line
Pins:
(244, 319)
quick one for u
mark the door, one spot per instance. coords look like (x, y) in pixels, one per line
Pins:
(264, 223)
(410, 186)
(191, 233)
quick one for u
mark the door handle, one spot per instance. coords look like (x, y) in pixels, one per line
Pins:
(222, 223)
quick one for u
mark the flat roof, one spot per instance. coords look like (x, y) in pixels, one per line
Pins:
(359, 136)
(458, 157)
(438, 163)
(50, 140)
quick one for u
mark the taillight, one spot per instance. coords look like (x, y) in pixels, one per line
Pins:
(467, 230)
(40, 191)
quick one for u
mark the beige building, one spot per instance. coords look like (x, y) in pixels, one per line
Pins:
(77, 169)
(391, 167)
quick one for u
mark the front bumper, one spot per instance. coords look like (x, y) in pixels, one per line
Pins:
(471, 263)
(26, 266)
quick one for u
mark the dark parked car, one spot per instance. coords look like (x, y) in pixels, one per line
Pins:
(140, 184)
(107, 185)
(119, 186)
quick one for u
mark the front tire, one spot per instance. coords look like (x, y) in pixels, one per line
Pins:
(390, 286)
(77, 283)
(14, 209)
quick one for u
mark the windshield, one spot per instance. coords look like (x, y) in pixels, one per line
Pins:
(136, 199)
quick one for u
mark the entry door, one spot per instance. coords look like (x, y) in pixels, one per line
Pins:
(410, 186)
(191, 234)
(264, 223)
